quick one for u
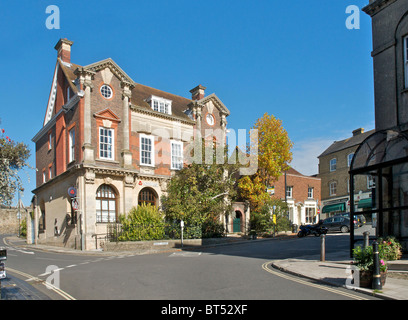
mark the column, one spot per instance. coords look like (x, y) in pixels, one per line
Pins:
(126, 154)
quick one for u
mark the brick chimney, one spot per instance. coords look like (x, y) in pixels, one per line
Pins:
(198, 92)
(64, 50)
(358, 131)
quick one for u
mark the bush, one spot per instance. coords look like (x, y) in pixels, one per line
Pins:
(142, 223)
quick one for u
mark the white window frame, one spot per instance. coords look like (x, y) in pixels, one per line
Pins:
(406, 61)
(50, 172)
(49, 141)
(160, 104)
(112, 151)
(310, 191)
(176, 164)
(333, 188)
(349, 159)
(333, 165)
(44, 177)
(71, 142)
(289, 192)
(110, 91)
(151, 138)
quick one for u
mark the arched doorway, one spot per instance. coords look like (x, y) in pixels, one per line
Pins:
(106, 204)
(236, 222)
(147, 195)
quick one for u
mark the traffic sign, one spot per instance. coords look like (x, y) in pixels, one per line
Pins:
(72, 192)
(75, 204)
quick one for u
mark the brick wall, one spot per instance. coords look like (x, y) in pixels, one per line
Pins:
(300, 186)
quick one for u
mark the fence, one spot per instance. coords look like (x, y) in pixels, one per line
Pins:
(117, 232)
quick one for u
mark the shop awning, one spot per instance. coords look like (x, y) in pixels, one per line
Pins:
(334, 207)
(365, 203)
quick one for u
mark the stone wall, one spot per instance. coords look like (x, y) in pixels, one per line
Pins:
(9, 220)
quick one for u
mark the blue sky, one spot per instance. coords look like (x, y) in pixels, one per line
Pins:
(293, 59)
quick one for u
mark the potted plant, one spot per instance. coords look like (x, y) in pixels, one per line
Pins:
(391, 248)
(364, 262)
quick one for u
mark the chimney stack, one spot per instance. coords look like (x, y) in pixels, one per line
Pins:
(198, 92)
(64, 50)
(358, 131)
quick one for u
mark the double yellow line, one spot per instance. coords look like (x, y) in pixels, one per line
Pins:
(308, 283)
(50, 286)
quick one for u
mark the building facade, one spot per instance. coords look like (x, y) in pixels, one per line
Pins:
(384, 154)
(334, 167)
(302, 195)
(108, 144)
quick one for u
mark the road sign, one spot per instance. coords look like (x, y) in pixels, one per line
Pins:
(72, 192)
(75, 204)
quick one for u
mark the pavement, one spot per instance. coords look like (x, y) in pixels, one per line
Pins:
(335, 270)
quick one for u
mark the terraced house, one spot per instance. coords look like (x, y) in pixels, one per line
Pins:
(113, 143)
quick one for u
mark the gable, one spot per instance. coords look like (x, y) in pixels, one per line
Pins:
(52, 97)
(109, 64)
(107, 114)
(212, 102)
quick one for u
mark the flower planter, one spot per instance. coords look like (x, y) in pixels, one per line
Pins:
(366, 278)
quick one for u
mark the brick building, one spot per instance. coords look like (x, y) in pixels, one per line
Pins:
(302, 194)
(115, 141)
(334, 166)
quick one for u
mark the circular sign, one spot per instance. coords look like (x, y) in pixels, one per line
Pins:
(72, 192)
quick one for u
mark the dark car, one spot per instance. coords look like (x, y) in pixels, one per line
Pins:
(359, 219)
(337, 223)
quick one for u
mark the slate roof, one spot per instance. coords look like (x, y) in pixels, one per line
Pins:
(347, 143)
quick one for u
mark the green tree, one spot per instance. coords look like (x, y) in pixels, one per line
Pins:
(13, 157)
(198, 195)
(263, 221)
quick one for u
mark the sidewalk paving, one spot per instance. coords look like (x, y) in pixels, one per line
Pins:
(335, 270)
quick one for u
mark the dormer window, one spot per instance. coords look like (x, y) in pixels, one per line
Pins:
(160, 104)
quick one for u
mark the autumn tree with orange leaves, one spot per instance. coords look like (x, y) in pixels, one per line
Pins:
(274, 156)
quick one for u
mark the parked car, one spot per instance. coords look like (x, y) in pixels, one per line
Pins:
(359, 219)
(338, 223)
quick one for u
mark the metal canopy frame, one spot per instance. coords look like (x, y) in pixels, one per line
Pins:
(382, 149)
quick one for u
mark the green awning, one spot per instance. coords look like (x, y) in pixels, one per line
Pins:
(334, 207)
(365, 203)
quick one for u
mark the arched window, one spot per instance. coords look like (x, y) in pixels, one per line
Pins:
(105, 204)
(146, 196)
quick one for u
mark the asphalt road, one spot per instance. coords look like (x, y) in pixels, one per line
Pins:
(232, 272)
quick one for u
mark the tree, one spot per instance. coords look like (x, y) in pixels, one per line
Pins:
(197, 195)
(13, 157)
(274, 156)
(263, 221)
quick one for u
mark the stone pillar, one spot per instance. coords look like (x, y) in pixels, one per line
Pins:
(126, 154)
(86, 82)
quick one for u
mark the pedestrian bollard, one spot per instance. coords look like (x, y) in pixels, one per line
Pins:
(366, 239)
(376, 274)
(323, 247)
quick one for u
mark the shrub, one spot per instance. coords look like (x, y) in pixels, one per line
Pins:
(142, 223)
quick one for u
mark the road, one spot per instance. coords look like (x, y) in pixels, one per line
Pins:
(232, 272)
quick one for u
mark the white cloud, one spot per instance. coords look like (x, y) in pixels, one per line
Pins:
(305, 154)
